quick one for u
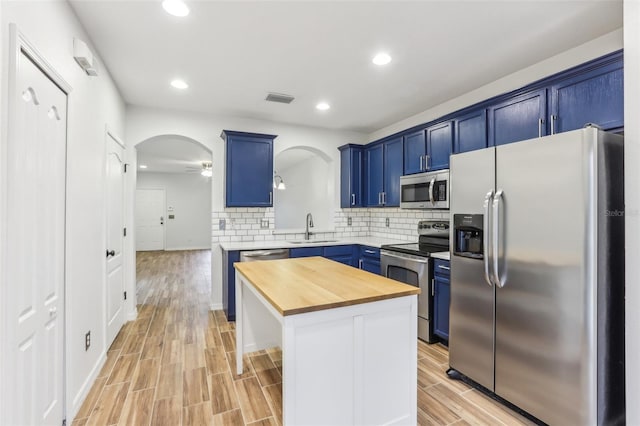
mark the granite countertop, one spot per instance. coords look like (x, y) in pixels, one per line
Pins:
(273, 244)
(444, 255)
(308, 284)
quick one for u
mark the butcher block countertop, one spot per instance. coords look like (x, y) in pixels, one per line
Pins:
(308, 284)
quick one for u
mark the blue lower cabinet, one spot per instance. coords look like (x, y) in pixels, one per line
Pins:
(370, 259)
(441, 298)
(229, 283)
(305, 252)
(346, 259)
(442, 295)
(344, 254)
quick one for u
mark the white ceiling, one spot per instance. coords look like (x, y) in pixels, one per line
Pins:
(171, 154)
(233, 52)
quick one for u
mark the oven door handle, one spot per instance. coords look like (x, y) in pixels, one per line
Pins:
(406, 258)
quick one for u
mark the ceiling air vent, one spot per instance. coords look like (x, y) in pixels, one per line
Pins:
(279, 97)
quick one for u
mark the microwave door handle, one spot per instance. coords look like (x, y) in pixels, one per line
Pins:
(486, 222)
(497, 200)
(431, 185)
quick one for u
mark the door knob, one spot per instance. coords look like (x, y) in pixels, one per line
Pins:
(111, 253)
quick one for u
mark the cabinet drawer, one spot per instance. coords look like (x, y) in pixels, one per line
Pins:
(338, 250)
(305, 252)
(441, 267)
(367, 251)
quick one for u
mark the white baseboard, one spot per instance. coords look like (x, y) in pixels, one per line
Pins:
(85, 388)
(133, 315)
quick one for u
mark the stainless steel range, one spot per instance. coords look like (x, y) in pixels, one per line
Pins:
(412, 264)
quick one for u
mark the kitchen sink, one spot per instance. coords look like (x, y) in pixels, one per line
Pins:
(312, 241)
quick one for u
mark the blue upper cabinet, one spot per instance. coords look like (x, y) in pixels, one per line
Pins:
(595, 96)
(518, 118)
(351, 162)
(415, 149)
(373, 176)
(439, 145)
(383, 168)
(393, 154)
(249, 169)
(470, 131)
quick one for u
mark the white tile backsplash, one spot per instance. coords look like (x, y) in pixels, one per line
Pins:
(243, 224)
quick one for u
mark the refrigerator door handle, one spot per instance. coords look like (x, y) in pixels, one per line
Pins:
(431, 184)
(488, 200)
(497, 200)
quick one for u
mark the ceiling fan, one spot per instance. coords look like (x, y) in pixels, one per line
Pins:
(205, 170)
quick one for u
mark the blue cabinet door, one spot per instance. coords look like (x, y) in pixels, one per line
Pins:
(305, 252)
(518, 119)
(393, 156)
(374, 181)
(351, 159)
(470, 131)
(439, 145)
(249, 169)
(415, 148)
(596, 96)
(442, 292)
(370, 259)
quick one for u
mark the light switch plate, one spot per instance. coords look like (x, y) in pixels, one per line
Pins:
(264, 223)
(222, 224)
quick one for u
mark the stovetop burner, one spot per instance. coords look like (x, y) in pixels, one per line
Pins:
(433, 238)
(416, 249)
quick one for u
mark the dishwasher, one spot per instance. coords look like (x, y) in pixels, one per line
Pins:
(253, 255)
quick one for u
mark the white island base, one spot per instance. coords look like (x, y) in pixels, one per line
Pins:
(351, 365)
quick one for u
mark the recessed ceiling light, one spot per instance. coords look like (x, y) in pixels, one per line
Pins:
(175, 7)
(179, 84)
(323, 106)
(381, 59)
(143, 166)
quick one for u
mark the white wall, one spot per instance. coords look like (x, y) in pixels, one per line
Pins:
(576, 56)
(632, 205)
(190, 197)
(93, 103)
(307, 191)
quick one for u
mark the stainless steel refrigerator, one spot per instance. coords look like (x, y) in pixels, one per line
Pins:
(537, 275)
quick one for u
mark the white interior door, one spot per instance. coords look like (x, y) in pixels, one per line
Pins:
(35, 268)
(150, 219)
(115, 235)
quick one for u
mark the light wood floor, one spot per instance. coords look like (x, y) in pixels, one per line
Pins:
(175, 365)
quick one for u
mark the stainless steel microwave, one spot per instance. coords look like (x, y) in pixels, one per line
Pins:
(428, 190)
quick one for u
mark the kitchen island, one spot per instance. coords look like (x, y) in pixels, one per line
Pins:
(348, 339)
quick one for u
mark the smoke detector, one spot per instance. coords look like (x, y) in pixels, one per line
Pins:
(279, 98)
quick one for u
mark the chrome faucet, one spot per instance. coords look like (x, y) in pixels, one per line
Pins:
(307, 234)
